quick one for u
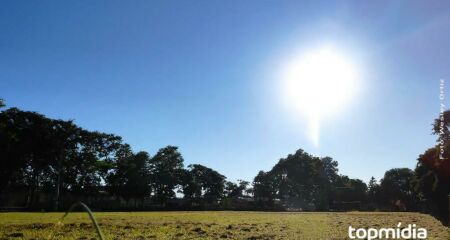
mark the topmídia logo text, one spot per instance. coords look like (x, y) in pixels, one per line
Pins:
(411, 231)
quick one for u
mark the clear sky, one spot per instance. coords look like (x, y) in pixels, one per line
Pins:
(205, 75)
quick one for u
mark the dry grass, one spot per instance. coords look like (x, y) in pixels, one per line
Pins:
(207, 225)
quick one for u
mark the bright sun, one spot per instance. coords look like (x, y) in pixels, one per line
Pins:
(319, 84)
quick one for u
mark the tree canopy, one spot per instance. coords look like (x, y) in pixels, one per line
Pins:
(57, 159)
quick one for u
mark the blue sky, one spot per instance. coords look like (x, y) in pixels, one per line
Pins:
(203, 75)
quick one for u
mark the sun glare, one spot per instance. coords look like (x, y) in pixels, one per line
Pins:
(319, 84)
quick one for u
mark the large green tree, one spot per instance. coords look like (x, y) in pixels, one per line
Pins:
(203, 185)
(27, 151)
(348, 193)
(166, 169)
(264, 188)
(432, 173)
(397, 188)
(233, 190)
(52, 156)
(300, 180)
(131, 174)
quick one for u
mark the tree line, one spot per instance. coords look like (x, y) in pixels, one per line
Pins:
(55, 158)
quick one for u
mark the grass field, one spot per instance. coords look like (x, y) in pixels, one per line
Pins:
(206, 225)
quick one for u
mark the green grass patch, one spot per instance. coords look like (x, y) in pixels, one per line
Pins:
(206, 225)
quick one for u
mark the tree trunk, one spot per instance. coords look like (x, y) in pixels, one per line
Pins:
(32, 189)
(58, 183)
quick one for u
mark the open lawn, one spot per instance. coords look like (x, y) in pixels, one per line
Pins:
(207, 225)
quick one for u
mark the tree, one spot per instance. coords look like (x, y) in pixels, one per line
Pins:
(64, 138)
(372, 186)
(191, 186)
(233, 190)
(300, 180)
(90, 164)
(27, 152)
(432, 173)
(397, 188)
(264, 189)
(330, 169)
(52, 156)
(432, 188)
(373, 193)
(138, 175)
(439, 159)
(303, 181)
(212, 184)
(328, 180)
(13, 151)
(166, 169)
(203, 184)
(349, 193)
(131, 175)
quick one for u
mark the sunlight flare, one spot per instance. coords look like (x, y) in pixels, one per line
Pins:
(318, 84)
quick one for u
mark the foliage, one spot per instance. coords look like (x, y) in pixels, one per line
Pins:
(303, 181)
(166, 171)
(397, 185)
(432, 173)
(202, 184)
(56, 157)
